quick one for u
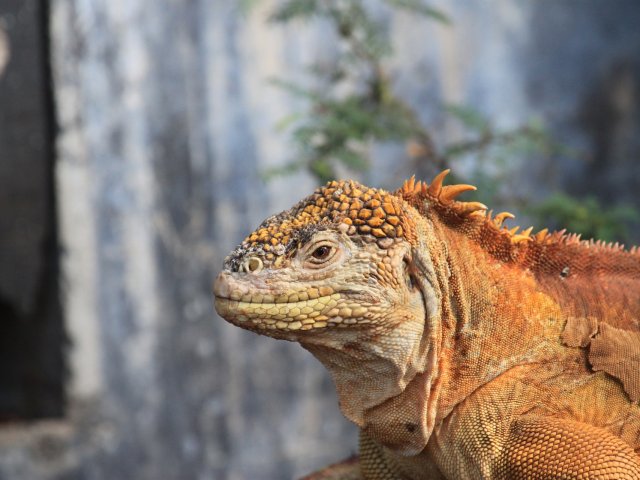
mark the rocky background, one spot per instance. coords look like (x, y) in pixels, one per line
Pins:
(133, 138)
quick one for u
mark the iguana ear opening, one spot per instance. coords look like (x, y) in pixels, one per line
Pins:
(424, 277)
(409, 273)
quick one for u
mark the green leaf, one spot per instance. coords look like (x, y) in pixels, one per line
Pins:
(286, 121)
(321, 168)
(281, 170)
(294, 89)
(470, 118)
(418, 7)
(246, 6)
(292, 9)
(352, 159)
(586, 216)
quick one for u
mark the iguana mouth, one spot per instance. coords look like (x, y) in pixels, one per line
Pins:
(301, 315)
(314, 308)
(259, 298)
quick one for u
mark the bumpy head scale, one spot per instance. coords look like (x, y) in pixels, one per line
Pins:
(380, 215)
(356, 209)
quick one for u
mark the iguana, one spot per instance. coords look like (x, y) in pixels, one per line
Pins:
(461, 349)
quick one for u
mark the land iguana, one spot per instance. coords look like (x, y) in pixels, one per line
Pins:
(461, 349)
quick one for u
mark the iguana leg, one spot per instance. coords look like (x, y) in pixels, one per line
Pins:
(551, 448)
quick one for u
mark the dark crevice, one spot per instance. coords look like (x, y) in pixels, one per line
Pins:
(53, 342)
(32, 340)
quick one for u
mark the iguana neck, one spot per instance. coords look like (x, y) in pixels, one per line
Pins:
(494, 317)
(388, 379)
(387, 391)
(366, 377)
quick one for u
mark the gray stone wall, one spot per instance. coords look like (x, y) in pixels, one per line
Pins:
(165, 123)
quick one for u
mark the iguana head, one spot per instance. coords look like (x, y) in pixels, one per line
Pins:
(339, 260)
(348, 272)
(343, 259)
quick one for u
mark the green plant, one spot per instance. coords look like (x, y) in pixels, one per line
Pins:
(338, 127)
(586, 216)
(355, 105)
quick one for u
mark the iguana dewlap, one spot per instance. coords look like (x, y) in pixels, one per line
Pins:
(461, 349)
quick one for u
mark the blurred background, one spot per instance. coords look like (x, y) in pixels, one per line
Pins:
(141, 140)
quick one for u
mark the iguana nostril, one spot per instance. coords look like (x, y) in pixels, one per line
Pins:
(252, 265)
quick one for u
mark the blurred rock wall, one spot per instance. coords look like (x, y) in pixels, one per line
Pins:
(163, 134)
(165, 123)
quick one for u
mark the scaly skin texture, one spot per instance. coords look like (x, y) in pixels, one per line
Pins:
(461, 349)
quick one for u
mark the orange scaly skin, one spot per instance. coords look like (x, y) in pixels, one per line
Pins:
(461, 349)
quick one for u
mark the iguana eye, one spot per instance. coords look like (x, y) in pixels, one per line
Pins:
(322, 252)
